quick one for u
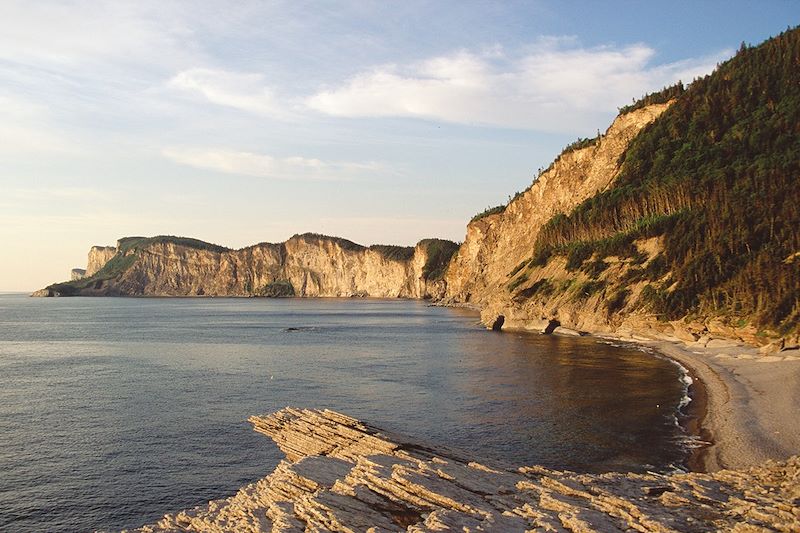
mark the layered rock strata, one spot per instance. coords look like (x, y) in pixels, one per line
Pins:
(98, 257)
(304, 265)
(496, 244)
(341, 474)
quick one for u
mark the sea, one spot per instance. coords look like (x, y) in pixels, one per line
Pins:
(114, 411)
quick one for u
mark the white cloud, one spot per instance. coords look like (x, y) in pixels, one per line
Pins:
(83, 33)
(554, 86)
(244, 91)
(266, 166)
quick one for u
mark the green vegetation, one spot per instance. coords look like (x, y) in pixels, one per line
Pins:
(593, 269)
(115, 267)
(439, 253)
(589, 288)
(343, 243)
(582, 142)
(656, 269)
(394, 253)
(617, 300)
(544, 288)
(519, 267)
(717, 176)
(281, 288)
(659, 97)
(136, 243)
(577, 253)
(518, 281)
(125, 257)
(489, 211)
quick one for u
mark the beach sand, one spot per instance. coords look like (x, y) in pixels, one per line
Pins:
(751, 403)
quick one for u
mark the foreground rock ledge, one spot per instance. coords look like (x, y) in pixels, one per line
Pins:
(341, 474)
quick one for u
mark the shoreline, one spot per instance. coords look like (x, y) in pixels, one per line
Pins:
(342, 474)
(693, 423)
(743, 403)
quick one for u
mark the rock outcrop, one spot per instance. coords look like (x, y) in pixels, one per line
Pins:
(76, 274)
(498, 243)
(341, 474)
(98, 257)
(305, 265)
(664, 225)
(492, 271)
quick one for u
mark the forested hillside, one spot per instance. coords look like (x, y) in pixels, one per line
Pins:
(717, 176)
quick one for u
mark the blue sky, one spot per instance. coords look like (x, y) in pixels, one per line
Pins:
(382, 122)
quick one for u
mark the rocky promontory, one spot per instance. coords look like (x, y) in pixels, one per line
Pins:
(304, 265)
(341, 474)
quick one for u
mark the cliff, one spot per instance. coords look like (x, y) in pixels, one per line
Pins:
(497, 243)
(681, 222)
(98, 257)
(341, 474)
(305, 265)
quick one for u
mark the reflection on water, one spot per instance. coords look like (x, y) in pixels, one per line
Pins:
(114, 411)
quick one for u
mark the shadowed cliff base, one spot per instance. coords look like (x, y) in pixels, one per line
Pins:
(341, 474)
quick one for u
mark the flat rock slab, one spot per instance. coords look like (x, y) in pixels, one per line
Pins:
(342, 474)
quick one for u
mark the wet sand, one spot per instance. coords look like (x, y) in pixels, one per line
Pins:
(746, 406)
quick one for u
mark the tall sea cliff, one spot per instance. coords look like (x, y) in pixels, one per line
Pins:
(304, 265)
(681, 220)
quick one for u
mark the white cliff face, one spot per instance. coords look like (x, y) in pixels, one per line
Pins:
(313, 265)
(98, 257)
(495, 245)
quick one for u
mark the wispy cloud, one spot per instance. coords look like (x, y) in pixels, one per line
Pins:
(27, 128)
(239, 90)
(85, 33)
(266, 166)
(553, 86)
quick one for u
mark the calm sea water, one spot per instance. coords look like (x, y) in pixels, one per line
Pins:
(115, 411)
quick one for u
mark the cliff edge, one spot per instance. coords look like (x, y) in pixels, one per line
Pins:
(680, 222)
(305, 265)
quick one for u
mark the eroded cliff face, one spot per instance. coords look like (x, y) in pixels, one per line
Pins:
(496, 245)
(496, 269)
(305, 265)
(98, 257)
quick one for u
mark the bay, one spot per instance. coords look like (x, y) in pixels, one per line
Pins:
(114, 411)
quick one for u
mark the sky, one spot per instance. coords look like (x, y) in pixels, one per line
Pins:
(381, 122)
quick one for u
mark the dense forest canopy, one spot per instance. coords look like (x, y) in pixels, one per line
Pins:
(717, 176)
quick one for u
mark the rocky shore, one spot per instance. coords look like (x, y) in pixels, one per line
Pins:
(341, 474)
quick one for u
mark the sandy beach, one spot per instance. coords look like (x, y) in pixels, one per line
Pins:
(750, 402)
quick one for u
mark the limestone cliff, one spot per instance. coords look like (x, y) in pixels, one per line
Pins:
(493, 269)
(98, 257)
(497, 243)
(341, 474)
(305, 265)
(682, 221)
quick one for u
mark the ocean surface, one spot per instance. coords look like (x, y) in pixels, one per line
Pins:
(114, 411)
